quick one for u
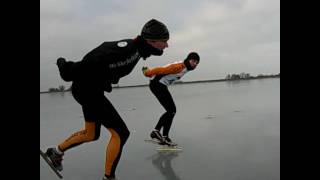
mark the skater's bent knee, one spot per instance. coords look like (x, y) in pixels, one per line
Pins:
(171, 113)
(126, 135)
(91, 136)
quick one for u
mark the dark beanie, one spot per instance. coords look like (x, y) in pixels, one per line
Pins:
(193, 55)
(155, 30)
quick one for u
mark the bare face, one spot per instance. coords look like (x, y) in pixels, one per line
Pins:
(161, 45)
(193, 63)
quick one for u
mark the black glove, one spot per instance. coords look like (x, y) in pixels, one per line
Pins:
(115, 81)
(108, 88)
(144, 69)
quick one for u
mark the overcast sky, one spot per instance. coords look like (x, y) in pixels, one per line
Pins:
(231, 36)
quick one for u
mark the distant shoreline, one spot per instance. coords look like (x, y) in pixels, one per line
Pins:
(188, 82)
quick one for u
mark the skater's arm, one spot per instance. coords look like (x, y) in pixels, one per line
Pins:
(171, 69)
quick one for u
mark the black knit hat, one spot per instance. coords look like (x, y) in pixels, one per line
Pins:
(193, 55)
(155, 30)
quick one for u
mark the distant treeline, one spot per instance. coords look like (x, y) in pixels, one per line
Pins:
(229, 77)
(59, 89)
(248, 76)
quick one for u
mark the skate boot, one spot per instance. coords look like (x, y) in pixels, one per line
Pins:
(156, 136)
(106, 178)
(167, 141)
(55, 157)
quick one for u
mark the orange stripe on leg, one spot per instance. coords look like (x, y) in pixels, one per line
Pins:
(113, 150)
(85, 135)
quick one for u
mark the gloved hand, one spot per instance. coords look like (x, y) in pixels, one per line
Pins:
(108, 88)
(115, 81)
(144, 69)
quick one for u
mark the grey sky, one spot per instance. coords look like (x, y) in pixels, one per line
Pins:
(231, 36)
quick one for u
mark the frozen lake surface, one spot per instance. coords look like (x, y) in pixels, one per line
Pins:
(228, 131)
